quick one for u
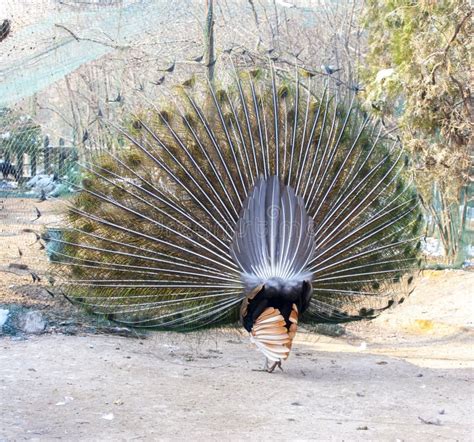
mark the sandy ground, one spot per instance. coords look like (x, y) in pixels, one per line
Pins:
(111, 388)
(405, 376)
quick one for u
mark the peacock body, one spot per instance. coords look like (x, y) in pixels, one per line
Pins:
(270, 200)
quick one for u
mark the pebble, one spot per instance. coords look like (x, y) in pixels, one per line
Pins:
(31, 322)
(3, 316)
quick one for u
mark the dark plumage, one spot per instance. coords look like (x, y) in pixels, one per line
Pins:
(117, 99)
(329, 70)
(170, 68)
(5, 29)
(159, 82)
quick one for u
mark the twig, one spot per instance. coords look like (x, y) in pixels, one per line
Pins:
(211, 57)
(446, 49)
(430, 422)
(77, 38)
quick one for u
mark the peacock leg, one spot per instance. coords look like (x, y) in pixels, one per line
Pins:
(266, 365)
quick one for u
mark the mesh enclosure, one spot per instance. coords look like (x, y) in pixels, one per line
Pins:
(68, 66)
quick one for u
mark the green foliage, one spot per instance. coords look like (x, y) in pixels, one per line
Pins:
(428, 46)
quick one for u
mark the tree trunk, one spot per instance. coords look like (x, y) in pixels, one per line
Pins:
(210, 50)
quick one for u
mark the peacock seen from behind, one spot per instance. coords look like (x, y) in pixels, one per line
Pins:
(270, 200)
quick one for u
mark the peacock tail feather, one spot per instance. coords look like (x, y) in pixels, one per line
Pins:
(149, 236)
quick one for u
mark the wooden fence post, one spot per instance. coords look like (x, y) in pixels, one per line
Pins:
(46, 149)
(33, 162)
(19, 166)
(61, 157)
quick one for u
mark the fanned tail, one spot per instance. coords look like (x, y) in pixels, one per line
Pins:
(149, 236)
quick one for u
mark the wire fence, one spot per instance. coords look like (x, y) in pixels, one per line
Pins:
(66, 65)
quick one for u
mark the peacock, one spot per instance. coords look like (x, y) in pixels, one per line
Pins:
(269, 200)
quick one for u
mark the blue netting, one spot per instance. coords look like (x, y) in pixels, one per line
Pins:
(41, 53)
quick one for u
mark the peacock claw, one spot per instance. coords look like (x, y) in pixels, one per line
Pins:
(272, 368)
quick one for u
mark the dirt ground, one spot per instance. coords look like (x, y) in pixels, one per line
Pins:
(405, 376)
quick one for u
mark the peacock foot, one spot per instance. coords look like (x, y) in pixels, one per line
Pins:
(271, 368)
